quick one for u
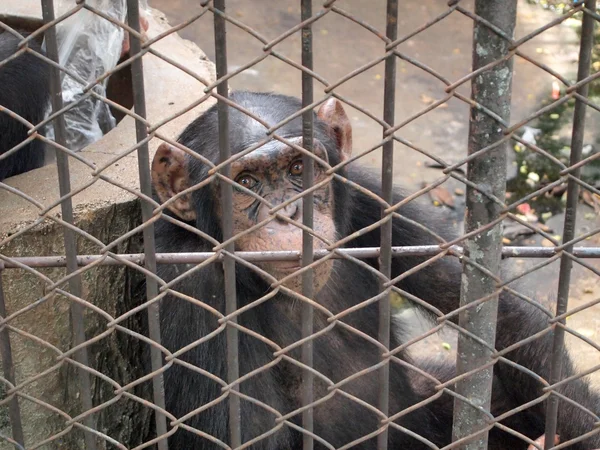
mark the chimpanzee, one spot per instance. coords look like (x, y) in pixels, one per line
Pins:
(274, 172)
(24, 90)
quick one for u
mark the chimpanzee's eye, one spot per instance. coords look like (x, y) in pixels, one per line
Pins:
(247, 181)
(296, 168)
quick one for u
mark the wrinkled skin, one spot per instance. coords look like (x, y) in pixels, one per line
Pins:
(276, 176)
(272, 172)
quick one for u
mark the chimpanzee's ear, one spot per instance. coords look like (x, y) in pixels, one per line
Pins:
(170, 176)
(332, 113)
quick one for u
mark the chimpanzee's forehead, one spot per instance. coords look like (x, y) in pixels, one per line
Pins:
(245, 131)
(249, 125)
(272, 148)
(275, 150)
(268, 108)
(259, 113)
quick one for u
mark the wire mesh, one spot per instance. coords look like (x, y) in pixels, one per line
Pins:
(108, 381)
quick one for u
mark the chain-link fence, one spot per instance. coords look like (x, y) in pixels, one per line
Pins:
(260, 309)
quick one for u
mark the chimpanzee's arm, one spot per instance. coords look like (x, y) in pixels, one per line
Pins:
(518, 320)
(439, 285)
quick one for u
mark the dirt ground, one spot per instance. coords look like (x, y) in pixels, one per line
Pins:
(341, 46)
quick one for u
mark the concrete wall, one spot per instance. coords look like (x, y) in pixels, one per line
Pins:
(106, 212)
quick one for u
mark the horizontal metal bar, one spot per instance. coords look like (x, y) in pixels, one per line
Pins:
(360, 253)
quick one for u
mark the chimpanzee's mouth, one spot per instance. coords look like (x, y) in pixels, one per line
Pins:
(288, 266)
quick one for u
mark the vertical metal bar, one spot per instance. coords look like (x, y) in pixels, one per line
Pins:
(564, 279)
(491, 89)
(14, 412)
(387, 187)
(307, 219)
(64, 183)
(233, 371)
(139, 102)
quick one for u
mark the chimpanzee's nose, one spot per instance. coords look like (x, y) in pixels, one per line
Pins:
(292, 210)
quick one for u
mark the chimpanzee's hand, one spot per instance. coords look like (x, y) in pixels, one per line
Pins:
(144, 27)
(541, 441)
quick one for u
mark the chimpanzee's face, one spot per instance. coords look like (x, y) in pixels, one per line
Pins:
(266, 212)
(273, 173)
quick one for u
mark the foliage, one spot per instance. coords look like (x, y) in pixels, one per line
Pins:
(534, 170)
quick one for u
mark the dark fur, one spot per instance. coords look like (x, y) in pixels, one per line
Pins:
(338, 353)
(24, 89)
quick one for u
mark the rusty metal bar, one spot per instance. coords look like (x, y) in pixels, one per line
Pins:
(566, 263)
(359, 253)
(64, 182)
(307, 220)
(233, 370)
(491, 89)
(387, 194)
(14, 412)
(139, 101)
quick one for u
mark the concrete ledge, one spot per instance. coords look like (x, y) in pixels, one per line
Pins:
(105, 212)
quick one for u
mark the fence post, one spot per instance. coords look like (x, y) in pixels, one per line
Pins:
(139, 100)
(14, 411)
(307, 219)
(491, 89)
(387, 190)
(227, 200)
(66, 208)
(566, 263)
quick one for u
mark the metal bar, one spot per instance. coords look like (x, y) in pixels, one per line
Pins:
(359, 253)
(387, 189)
(566, 263)
(64, 183)
(491, 89)
(139, 102)
(14, 412)
(307, 220)
(233, 371)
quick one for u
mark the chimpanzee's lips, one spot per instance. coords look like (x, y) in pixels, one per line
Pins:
(288, 266)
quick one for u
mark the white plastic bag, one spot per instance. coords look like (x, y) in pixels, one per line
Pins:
(88, 46)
